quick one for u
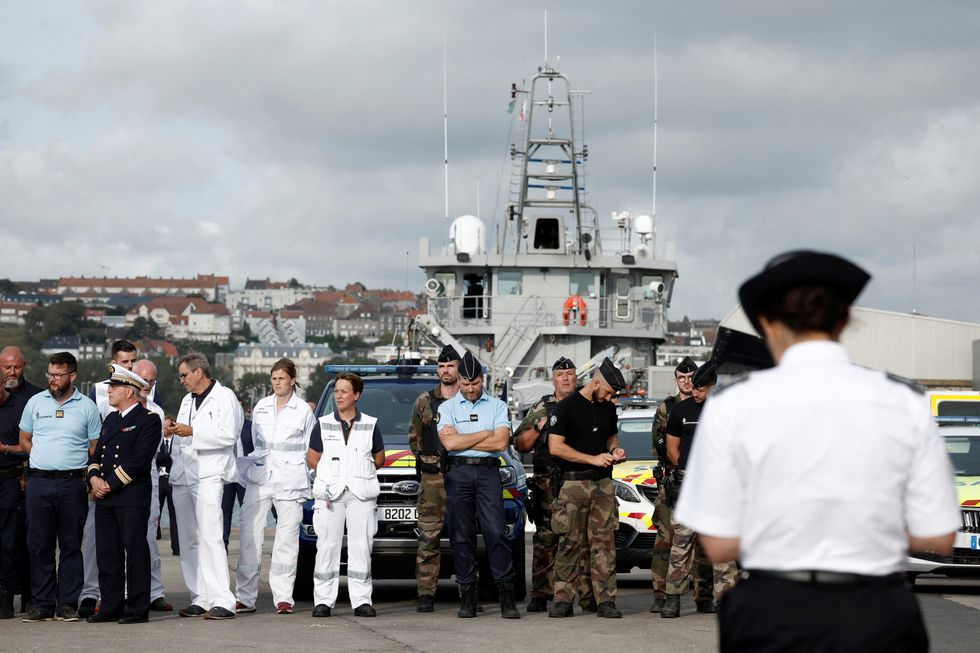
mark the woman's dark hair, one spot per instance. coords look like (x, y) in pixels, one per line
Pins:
(355, 381)
(813, 307)
(287, 366)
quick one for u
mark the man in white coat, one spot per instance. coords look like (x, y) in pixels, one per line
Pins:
(274, 474)
(208, 425)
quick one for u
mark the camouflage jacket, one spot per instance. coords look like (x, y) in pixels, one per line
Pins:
(423, 417)
(543, 408)
(660, 430)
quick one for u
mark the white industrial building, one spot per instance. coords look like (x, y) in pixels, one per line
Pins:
(934, 352)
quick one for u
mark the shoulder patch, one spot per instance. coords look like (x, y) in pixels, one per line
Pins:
(909, 383)
(735, 380)
(553, 420)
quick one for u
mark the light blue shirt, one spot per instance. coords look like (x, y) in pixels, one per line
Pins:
(484, 414)
(60, 433)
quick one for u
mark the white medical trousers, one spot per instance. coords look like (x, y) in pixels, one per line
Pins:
(362, 524)
(285, 549)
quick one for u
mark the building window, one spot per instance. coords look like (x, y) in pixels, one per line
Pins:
(581, 284)
(509, 283)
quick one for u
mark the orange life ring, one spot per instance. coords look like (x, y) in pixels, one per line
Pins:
(578, 304)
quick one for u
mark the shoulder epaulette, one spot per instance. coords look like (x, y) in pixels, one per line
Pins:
(909, 383)
(735, 380)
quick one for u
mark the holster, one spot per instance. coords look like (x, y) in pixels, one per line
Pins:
(673, 482)
(557, 480)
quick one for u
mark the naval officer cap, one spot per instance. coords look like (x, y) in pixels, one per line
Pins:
(563, 364)
(706, 375)
(612, 375)
(797, 268)
(686, 366)
(469, 367)
(119, 375)
(448, 354)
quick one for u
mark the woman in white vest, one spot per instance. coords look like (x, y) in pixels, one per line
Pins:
(274, 474)
(346, 450)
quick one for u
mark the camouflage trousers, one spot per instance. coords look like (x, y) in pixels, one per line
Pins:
(432, 515)
(687, 556)
(662, 545)
(585, 518)
(545, 546)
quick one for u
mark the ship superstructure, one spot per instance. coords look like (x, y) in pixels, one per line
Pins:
(548, 286)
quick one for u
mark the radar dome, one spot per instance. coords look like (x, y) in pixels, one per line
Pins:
(643, 225)
(469, 235)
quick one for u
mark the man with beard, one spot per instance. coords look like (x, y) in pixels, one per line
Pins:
(14, 568)
(423, 440)
(56, 430)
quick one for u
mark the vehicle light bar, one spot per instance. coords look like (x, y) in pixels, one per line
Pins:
(400, 370)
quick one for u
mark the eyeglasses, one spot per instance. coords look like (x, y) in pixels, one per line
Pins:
(57, 377)
(185, 375)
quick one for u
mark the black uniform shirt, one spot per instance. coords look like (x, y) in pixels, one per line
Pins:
(11, 411)
(682, 422)
(586, 427)
(316, 435)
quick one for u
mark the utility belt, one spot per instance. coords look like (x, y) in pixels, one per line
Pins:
(819, 577)
(426, 467)
(56, 474)
(586, 475)
(475, 461)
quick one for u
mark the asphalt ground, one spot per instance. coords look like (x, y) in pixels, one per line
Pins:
(951, 608)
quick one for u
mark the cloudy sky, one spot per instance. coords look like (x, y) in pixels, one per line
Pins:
(295, 138)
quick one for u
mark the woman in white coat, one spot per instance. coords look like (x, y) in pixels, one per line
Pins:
(274, 474)
(346, 449)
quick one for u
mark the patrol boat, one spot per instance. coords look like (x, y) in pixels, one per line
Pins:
(548, 285)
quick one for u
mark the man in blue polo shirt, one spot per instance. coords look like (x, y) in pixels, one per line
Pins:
(474, 428)
(56, 430)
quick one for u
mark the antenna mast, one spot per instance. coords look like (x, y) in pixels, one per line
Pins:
(655, 108)
(445, 135)
(545, 37)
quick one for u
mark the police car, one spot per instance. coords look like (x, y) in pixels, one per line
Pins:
(636, 489)
(389, 395)
(962, 438)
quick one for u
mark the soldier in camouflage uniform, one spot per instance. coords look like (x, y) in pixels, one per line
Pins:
(582, 438)
(685, 551)
(661, 506)
(532, 435)
(423, 440)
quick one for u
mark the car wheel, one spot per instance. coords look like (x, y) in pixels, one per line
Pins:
(303, 585)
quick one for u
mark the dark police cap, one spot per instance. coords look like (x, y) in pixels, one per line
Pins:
(706, 375)
(686, 366)
(797, 268)
(563, 364)
(469, 367)
(612, 375)
(448, 354)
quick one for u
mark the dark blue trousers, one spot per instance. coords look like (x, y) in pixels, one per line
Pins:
(13, 537)
(56, 512)
(124, 559)
(472, 493)
(230, 492)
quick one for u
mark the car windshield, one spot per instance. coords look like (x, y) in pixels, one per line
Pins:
(391, 405)
(635, 436)
(964, 451)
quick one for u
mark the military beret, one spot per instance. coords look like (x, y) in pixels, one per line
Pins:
(612, 375)
(686, 366)
(563, 364)
(797, 268)
(448, 354)
(469, 367)
(706, 375)
(119, 375)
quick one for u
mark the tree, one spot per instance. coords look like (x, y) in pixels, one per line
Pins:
(293, 283)
(42, 322)
(8, 287)
(144, 328)
(252, 387)
(318, 381)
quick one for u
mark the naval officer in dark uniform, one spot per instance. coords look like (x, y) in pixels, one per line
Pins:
(119, 474)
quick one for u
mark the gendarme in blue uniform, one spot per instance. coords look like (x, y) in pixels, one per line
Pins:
(485, 414)
(60, 432)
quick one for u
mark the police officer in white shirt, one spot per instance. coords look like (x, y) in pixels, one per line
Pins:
(346, 449)
(819, 476)
(208, 424)
(274, 474)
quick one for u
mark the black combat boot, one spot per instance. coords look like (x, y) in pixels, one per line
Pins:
(707, 606)
(467, 601)
(425, 603)
(561, 610)
(537, 604)
(6, 605)
(508, 608)
(672, 607)
(658, 604)
(608, 610)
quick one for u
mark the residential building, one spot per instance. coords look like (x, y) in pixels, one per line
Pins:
(213, 288)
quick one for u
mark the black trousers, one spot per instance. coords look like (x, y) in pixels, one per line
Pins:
(14, 560)
(472, 493)
(167, 497)
(770, 614)
(229, 493)
(56, 512)
(124, 559)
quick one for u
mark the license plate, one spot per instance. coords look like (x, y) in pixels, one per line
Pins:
(399, 513)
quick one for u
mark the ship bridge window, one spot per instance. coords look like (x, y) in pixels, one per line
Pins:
(509, 283)
(548, 234)
(581, 284)
(447, 283)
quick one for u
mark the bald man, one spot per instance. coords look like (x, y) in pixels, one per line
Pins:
(14, 561)
(147, 371)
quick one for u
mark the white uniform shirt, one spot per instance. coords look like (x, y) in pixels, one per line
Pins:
(281, 439)
(819, 464)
